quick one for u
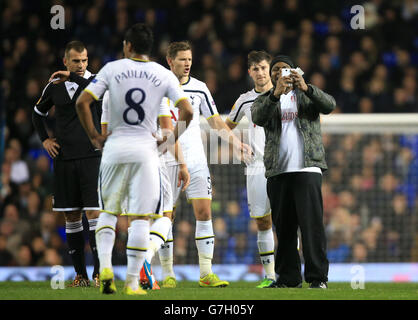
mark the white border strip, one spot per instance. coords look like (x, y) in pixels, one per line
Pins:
(338, 272)
(40, 113)
(91, 208)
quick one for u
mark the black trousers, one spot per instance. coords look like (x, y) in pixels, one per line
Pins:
(296, 201)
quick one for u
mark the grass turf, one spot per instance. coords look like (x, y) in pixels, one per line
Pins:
(236, 291)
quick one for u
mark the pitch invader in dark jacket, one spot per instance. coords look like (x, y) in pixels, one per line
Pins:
(76, 161)
(294, 158)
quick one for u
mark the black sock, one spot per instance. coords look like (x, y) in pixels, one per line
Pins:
(75, 239)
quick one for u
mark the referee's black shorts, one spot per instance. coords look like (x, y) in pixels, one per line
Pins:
(75, 184)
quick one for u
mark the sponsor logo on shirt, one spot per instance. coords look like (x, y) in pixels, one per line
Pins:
(289, 116)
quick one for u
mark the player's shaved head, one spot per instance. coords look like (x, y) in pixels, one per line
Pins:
(141, 38)
(175, 47)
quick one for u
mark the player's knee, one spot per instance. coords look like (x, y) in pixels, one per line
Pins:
(202, 209)
(72, 216)
(203, 214)
(264, 223)
(92, 214)
(169, 215)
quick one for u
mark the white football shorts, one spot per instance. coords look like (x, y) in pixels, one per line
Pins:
(258, 201)
(173, 174)
(200, 186)
(167, 189)
(131, 189)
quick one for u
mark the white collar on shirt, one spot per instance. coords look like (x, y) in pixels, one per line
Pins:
(72, 86)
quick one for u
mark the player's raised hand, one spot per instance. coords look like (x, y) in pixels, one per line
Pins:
(298, 81)
(60, 76)
(184, 176)
(51, 146)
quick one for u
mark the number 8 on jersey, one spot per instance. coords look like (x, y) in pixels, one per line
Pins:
(135, 106)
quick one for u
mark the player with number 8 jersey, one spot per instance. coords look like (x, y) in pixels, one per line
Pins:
(134, 89)
(129, 177)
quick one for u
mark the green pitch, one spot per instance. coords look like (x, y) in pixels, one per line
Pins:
(236, 291)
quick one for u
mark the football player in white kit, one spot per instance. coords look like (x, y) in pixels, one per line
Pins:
(160, 225)
(129, 178)
(258, 201)
(199, 192)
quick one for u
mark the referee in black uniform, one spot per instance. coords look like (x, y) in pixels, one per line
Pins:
(76, 161)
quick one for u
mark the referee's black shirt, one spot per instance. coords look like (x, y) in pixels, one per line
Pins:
(70, 134)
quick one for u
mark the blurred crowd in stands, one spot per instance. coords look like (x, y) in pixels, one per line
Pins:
(370, 190)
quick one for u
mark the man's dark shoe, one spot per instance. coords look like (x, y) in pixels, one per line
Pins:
(79, 281)
(318, 285)
(276, 284)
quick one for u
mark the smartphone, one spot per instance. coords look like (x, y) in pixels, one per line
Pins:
(286, 72)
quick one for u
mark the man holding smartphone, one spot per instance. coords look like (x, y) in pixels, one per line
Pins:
(294, 159)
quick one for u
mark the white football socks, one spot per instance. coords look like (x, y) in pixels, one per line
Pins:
(105, 238)
(265, 242)
(205, 243)
(137, 245)
(166, 256)
(158, 235)
(93, 224)
(73, 227)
